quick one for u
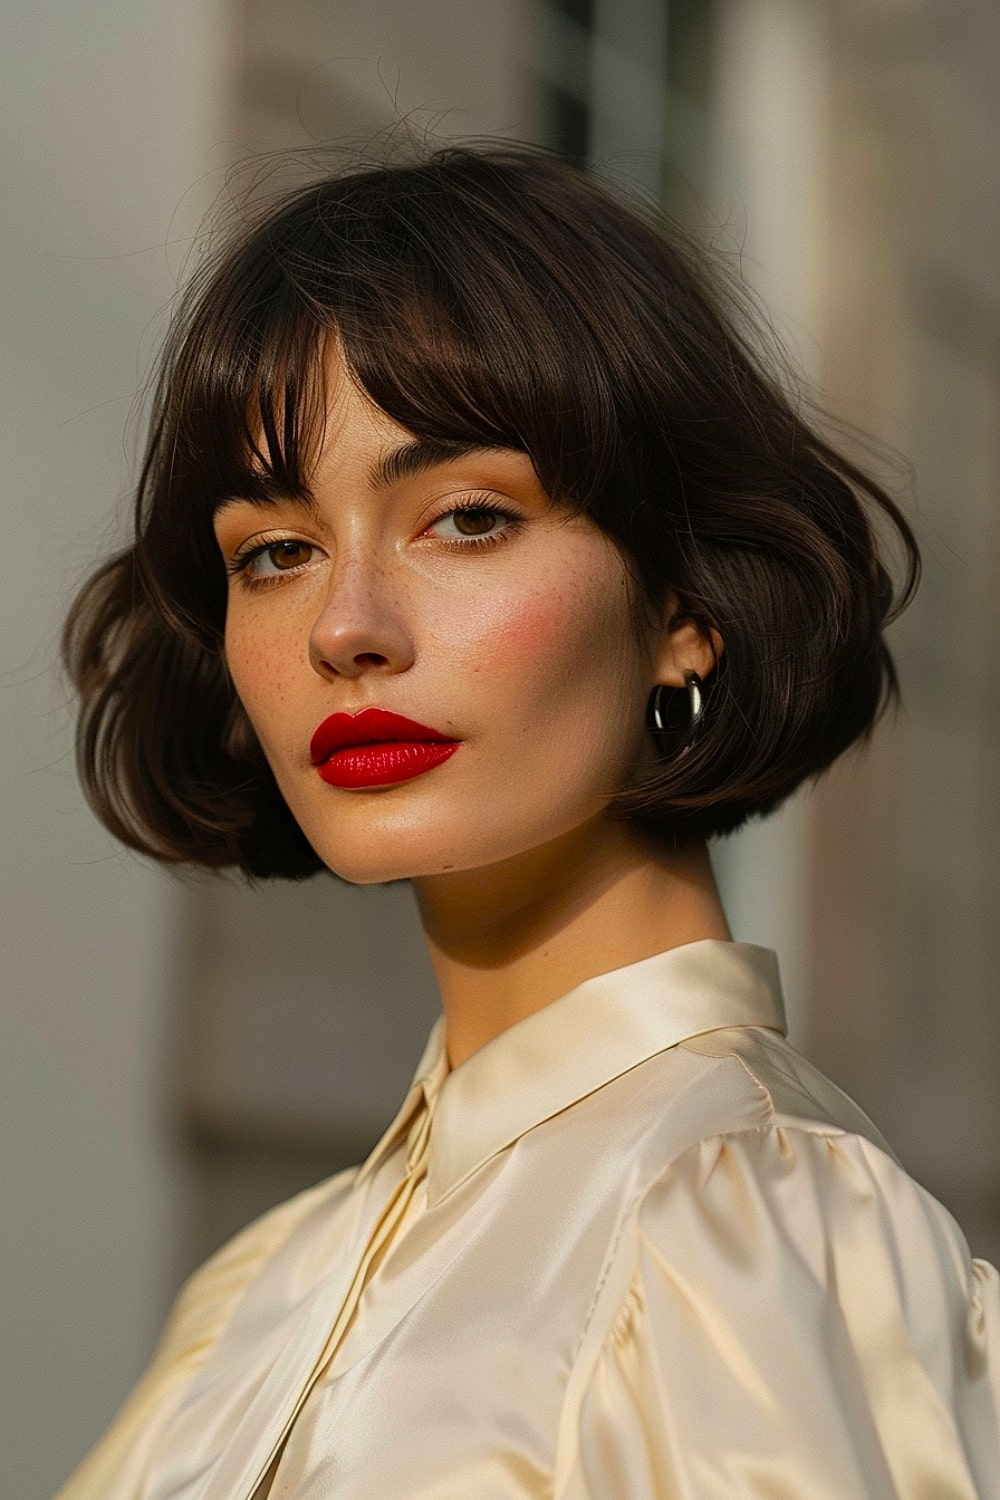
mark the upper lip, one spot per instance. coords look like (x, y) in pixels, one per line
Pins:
(370, 726)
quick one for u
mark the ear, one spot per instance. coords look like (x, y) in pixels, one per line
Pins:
(686, 645)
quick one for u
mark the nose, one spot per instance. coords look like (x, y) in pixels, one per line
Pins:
(360, 627)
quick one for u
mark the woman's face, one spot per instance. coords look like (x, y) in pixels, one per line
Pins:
(505, 628)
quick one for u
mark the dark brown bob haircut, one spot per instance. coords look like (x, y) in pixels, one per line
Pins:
(488, 294)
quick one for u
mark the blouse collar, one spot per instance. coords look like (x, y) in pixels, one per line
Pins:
(551, 1059)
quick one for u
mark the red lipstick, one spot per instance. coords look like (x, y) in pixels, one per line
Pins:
(375, 747)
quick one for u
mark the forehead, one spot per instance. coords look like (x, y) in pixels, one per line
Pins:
(353, 432)
(357, 435)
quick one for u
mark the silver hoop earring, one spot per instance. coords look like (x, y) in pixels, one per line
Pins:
(659, 719)
(693, 684)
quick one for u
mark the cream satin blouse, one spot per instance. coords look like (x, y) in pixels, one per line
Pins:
(635, 1246)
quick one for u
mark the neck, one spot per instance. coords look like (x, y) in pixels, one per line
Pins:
(508, 939)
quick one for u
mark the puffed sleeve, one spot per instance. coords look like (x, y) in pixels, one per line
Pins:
(799, 1320)
(115, 1468)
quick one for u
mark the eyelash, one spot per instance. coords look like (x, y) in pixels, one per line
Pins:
(240, 565)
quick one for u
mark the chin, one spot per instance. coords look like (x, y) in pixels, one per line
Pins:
(379, 856)
(365, 867)
(360, 872)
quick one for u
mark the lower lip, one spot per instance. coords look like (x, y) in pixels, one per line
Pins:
(384, 763)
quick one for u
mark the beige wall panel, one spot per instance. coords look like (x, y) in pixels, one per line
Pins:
(905, 990)
(311, 71)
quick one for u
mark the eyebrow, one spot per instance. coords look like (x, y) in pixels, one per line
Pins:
(411, 459)
(404, 462)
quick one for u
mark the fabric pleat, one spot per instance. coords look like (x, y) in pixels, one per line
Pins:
(800, 1322)
(387, 1231)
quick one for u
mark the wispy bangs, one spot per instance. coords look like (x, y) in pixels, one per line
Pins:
(459, 323)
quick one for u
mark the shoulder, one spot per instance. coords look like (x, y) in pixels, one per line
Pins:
(719, 1084)
(777, 1267)
(795, 1170)
(209, 1295)
(791, 1089)
(114, 1469)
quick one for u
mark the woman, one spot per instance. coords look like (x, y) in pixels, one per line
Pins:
(474, 547)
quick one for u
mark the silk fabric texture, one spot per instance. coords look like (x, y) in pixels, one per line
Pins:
(636, 1246)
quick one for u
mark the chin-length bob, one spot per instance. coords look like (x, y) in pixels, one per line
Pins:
(494, 295)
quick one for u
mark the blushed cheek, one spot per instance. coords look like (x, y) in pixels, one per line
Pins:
(518, 628)
(520, 648)
(551, 645)
(565, 621)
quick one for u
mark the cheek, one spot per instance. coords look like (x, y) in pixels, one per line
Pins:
(258, 665)
(552, 650)
(518, 633)
(509, 637)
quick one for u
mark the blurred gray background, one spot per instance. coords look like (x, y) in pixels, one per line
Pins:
(178, 1054)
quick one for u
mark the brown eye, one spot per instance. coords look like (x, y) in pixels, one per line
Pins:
(469, 526)
(265, 563)
(474, 520)
(289, 554)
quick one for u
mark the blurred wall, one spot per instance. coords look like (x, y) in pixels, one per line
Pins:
(769, 130)
(308, 73)
(106, 110)
(856, 151)
(905, 944)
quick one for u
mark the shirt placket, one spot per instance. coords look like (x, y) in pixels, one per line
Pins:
(378, 1244)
